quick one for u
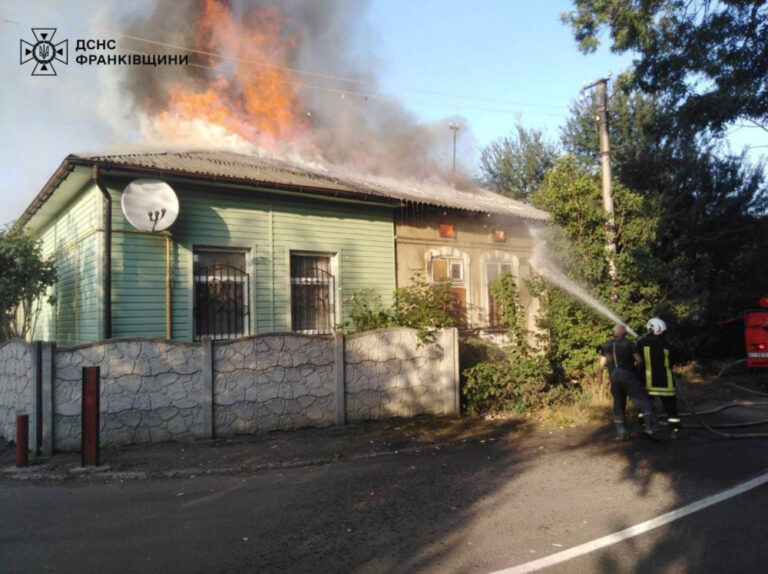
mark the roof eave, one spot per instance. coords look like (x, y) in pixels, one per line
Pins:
(63, 171)
(249, 182)
(73, 161)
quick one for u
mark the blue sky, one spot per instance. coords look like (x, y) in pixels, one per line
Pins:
(517, 53)
(511, 61)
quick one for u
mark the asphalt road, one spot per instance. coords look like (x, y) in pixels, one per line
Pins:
(727, 537)
(475, 507)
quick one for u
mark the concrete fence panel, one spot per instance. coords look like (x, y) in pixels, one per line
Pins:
(17, 386)
(150, 391)
(390, 373)
(273, 382)
(155, 390)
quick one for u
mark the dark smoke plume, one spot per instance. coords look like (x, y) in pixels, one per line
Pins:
(333, 37)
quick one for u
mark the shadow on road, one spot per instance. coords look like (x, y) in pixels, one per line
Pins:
(696, 466)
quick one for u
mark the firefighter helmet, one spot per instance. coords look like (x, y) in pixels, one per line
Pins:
(656, 326)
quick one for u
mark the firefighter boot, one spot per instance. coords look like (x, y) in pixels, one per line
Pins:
(674, 427)
(649, 423)
(621, 431)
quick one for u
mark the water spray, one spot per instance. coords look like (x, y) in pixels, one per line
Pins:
(544, 267)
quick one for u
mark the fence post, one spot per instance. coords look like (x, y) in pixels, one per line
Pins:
(22, 440)
(450, 377)
(90, 416)
(36, 444)
(48, 372)
(206, 376)
(338, 373)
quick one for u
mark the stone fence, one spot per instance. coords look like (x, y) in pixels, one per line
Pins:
(156, 390)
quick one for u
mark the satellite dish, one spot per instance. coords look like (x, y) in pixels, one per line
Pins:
(150, 204)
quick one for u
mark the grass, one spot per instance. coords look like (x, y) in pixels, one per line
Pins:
(587, 402)
(590, 402)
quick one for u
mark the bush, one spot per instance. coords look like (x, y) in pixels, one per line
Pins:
(517, 382)
(512, 379)
(366, 312)
(422, 306)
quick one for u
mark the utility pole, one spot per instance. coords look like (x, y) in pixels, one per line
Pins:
(454, 128)
(601, 89)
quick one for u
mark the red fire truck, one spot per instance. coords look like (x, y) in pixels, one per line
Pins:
(756, 336)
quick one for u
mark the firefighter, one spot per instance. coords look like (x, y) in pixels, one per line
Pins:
(620, 356)
(657, 370)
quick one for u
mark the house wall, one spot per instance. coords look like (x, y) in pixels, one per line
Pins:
(268, 227)
(418, 241)
(74, 240)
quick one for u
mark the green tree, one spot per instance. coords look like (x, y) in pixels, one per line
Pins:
(423, 305)
(707, 58)
(24, 279)
(515, 165)
(710, 206)
(572, 195)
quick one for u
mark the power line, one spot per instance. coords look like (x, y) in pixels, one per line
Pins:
(365, 95)
(330, 76)
(342, 79)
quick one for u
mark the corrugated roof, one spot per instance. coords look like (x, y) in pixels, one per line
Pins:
(248, 168)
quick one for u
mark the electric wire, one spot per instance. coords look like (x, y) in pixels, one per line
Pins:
(330, 76)
(358, 93)
(366, 95)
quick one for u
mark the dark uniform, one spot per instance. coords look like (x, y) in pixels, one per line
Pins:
(657, 373)
(620, 360)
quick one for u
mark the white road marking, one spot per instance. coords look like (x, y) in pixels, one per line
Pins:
(635, 530)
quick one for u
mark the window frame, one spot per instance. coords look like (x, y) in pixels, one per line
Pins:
(247, 296)
(334, 290)
(452, 256)
(499, 261)
(450, 262)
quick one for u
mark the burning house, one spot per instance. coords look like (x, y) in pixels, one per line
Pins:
(259, 246)
(353, 194)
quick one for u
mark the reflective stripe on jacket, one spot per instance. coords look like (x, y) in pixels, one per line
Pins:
(658, 367)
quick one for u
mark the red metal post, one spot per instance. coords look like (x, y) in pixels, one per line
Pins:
(22, 440)
(90, 416)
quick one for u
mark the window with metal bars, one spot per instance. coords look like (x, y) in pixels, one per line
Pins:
(221, 294)
(312, 293)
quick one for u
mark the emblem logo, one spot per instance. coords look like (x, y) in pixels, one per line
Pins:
(44, 52)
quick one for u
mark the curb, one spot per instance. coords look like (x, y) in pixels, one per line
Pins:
(105, 474)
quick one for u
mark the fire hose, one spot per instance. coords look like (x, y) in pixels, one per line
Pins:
(697, 416)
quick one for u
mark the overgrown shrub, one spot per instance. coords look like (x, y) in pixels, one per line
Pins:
(421, 305)
(365, 312)
(516, 382)
(516, 379)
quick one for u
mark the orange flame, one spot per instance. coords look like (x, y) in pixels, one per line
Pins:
(251, 94)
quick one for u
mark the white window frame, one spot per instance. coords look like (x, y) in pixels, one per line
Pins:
(498, 257)
(453, 254)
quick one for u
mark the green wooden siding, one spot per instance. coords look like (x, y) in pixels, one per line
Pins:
(267, 227)
(73, 240)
